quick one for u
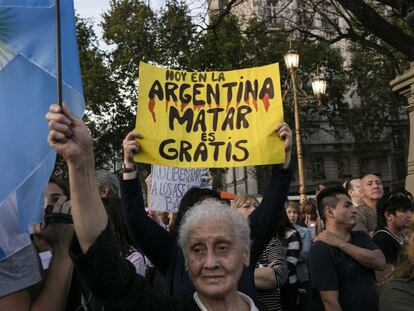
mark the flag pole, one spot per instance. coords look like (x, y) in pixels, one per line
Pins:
(58, 55)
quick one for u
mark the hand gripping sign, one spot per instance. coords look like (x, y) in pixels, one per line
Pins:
(209, 119)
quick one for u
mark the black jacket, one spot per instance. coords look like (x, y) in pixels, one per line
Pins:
(114, 282)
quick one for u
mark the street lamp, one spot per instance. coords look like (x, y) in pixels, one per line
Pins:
(319, 89)
(292, 59)
(292, 63)
(318, 85)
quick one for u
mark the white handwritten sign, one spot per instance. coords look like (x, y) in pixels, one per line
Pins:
(169, 184)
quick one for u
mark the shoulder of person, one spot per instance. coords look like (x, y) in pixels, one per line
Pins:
(396, 284)
(319, 246)
(361, 238)
(275, 242)
(381, 233)
(320, 252)
(362, 209)
(360, 234)
(302, 229)
(289, 232)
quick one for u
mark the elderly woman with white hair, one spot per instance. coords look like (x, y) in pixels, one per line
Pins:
(216, 243)
(214, 237)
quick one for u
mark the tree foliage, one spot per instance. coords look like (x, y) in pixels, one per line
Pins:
(106, 114)
(384, 26)
(172, 38)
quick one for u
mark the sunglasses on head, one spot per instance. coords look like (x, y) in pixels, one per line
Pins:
(400, 196)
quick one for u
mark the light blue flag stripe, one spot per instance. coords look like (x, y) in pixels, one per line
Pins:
(27, 88)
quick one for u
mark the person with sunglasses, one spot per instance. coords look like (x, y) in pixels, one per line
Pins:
(394, 215)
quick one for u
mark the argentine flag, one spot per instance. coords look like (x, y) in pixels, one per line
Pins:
(27, 88)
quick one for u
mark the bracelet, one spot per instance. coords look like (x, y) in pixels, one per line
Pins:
(128, 169)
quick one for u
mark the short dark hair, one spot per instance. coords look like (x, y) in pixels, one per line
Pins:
(396, 201)
(327, 184)
(327, 197)
(61, 184)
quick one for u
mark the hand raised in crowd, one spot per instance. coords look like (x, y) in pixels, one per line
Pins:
(285, 133)
(131, 147)
(68, 135)
(58, 234)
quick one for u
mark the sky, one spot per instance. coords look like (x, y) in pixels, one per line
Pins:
(91, 8)
(94, 8)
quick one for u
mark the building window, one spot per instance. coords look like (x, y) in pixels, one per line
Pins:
(329, 19)
(344, 168)
(318, 167)
(223, 4)
(271, 12)
(305, 20)
(370, 165)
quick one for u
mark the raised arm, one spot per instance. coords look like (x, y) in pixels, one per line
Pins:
(71, 139)
(95, 251)
(264, 219)
(156, 243)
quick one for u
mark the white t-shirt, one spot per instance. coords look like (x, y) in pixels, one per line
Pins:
(19, 271)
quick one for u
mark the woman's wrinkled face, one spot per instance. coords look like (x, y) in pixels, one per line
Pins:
(215, 259)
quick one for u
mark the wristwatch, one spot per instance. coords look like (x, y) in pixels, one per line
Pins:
(128, 169)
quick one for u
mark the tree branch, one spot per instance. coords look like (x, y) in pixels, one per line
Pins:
(381, 28)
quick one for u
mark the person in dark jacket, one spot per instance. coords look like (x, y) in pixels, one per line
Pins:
(214, 238)
(161, 247)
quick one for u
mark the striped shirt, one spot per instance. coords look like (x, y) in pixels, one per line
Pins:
(273, 256)
(292, 253)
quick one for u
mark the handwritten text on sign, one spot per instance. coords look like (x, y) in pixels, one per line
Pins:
(209, 119)
(169, 184)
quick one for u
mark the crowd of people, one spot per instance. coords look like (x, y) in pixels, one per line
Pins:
(350, 248)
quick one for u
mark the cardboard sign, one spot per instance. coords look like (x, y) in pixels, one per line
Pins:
(169, 184)
(209, 119)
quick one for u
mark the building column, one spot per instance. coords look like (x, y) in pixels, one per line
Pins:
(404, 84)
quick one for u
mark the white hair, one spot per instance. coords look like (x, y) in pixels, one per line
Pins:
(213, 210)
(110, 180)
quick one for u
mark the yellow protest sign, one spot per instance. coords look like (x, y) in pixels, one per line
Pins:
(209, 119)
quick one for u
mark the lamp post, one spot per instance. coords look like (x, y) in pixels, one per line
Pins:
(292, 63)
(319, 85)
